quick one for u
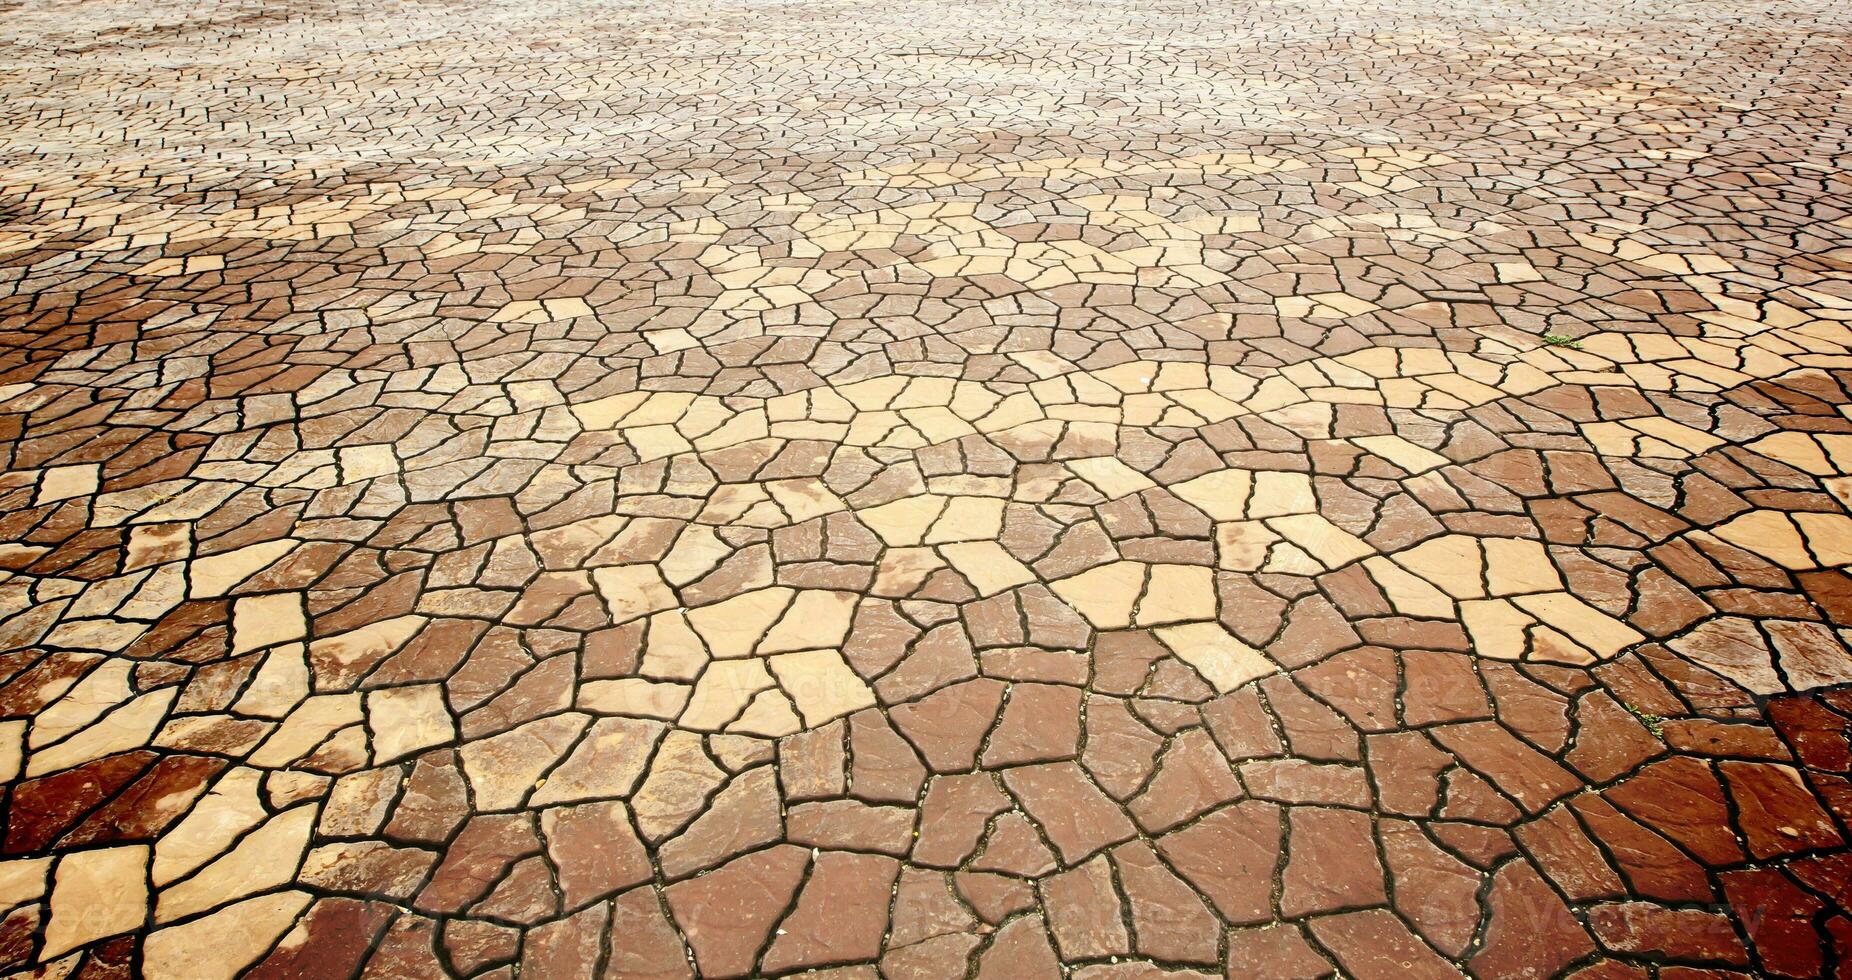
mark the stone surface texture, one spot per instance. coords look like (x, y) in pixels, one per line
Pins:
(925, 489)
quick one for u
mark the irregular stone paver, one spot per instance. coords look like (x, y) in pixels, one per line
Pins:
(1008, 490)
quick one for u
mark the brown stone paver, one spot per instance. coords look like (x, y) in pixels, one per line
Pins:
(925, 490)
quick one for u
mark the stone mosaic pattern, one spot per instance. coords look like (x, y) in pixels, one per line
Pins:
(1162, 489)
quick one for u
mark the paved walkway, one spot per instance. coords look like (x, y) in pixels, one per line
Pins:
(556, 489)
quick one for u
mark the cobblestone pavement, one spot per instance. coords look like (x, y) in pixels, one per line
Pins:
(546, 488)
